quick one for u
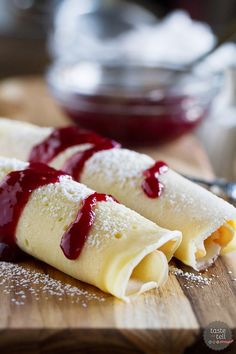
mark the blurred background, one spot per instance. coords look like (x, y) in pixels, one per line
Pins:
(26, 24)
(140, 71)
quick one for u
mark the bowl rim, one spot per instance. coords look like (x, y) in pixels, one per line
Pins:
(70, 98)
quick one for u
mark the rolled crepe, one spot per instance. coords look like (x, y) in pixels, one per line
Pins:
(123, 253)
(206, 221)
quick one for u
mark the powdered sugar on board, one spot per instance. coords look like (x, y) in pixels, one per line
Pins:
(23, 284)
(195, 279)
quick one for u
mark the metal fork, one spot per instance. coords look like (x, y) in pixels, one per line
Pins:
(219, 186)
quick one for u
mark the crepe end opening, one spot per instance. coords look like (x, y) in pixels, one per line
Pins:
(151, 272)
(221, 241)
(145, 272)
(170, 247)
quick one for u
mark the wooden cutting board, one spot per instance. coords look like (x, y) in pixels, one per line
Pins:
(167, 320)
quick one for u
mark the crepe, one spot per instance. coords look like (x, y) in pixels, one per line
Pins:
(206, 221)
(124, 253)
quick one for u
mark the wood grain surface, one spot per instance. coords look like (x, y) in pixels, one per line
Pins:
(167, 320)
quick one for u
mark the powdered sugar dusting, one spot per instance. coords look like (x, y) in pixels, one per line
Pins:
(118, 165)
(192, 279)
(121, 169)
(108, 225)
(7, 164)
(113, 221)
(53, 194)
(72, 190)
(24, 284)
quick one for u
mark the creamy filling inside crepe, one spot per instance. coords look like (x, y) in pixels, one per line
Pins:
(206, 221)
(124, 253)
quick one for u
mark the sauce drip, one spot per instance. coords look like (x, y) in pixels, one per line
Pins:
(61, 139)
(151, 186)
(75, 164)
(74, 238)
(15, 190)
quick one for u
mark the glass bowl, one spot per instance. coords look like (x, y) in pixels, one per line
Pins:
(132, 103)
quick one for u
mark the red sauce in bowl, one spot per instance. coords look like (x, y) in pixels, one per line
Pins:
(132, 104)
(135, 124)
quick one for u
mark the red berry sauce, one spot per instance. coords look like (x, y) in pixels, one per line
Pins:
(74, 238)
(61, 139)
(75, 164)
(151, 186)
(15, 190)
